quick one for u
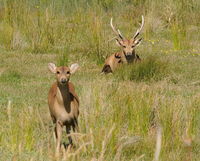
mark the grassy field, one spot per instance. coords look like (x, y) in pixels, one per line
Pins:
(119, 113)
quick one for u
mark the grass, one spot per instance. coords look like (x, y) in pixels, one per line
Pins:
(149, 69)
(120, 112)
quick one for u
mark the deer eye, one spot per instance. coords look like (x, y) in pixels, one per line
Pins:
(133, 46)
(68, 72)
(58, 72)
(123, 46)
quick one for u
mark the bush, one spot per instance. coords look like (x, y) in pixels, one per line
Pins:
(151, 68)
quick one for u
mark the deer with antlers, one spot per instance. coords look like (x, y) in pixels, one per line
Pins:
(128, 54)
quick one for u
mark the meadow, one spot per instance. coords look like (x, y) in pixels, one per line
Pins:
(120, 113)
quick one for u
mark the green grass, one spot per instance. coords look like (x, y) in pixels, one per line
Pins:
(149, 69)
(118, 112)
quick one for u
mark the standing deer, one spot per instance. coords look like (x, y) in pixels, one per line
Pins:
(128, 54)
(63, 102)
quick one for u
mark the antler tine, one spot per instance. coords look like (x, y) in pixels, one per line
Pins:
(117, 32)
(120, 33)
(139, 30)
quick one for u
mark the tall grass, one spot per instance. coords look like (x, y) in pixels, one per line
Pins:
(149, 69)
(41, 26)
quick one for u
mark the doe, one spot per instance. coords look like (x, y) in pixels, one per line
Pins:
(63, 102)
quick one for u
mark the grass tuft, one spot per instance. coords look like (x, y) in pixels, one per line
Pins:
(151, 68)
(12, 76)
(63, 57)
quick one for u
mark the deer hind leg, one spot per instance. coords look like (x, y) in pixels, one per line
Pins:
(58, 132)
(106, 69)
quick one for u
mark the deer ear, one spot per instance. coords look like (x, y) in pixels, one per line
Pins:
(118, 42)
(137, 42)
(52, 67)
(74, 68)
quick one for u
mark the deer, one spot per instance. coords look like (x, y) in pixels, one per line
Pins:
(63, 102)
(127, 55)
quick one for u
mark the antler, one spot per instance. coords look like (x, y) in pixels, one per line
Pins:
(139, 30)
(117, 32)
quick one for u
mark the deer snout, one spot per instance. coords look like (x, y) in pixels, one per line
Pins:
(129, 54)
(63, 80)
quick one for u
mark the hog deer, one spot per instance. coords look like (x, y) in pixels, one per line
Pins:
(63, 102)
(128, 54)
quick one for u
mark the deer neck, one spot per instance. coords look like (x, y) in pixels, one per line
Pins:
(63, 96)
(130, 58)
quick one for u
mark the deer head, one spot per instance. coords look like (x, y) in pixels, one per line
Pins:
(63, 73)
(128, 45)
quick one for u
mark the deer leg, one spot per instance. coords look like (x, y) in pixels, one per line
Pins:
(58, 132)
(138, 58)
(55, 132)
(106, 69)
(68, 132)
(75, 125)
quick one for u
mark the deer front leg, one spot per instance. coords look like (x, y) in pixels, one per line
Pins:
(68, 132)
(58, 132)
(75, 125)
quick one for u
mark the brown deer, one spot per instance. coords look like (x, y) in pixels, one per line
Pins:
(128, 54)
(63, 102)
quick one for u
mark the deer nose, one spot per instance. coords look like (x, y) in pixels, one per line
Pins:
(63, 80)
(129, 53)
